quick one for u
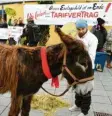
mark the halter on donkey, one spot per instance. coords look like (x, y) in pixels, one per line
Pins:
(21, 70)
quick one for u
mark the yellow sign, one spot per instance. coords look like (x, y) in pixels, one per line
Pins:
(68, 28)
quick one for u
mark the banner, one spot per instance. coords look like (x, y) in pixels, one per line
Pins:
(15, 32)
(3, 33)
(60, 14)
(11, 31)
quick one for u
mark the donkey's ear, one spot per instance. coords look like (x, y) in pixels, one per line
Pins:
(67, 40)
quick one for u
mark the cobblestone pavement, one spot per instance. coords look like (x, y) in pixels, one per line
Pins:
(101, 97)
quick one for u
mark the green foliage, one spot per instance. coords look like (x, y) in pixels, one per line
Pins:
(22, 41)
(45, 34)
(44, 28)
(11, 12)
(45, 2)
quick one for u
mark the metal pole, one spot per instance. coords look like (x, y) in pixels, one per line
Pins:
(23, 1)
(3, 11)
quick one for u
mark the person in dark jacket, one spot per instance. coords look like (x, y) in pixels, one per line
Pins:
(29, 34)
(101, 33)
(3, 23)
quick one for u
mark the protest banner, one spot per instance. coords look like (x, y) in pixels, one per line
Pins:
(60, 14)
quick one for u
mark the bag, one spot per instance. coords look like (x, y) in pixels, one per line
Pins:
(34, 30)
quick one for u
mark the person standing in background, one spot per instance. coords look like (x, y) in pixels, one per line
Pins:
(21, 24)
(83, 90)
(15, 23)
(3, 23)
(109, 48)
(101, 33)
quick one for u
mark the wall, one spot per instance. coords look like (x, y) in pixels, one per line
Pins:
(54, 37)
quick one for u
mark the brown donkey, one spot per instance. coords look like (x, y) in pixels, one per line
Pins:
(21, 70)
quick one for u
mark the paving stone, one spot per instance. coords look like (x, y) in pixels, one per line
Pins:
(65, 112)
(109, 93)
(98, 107)
(97, 78)
(105, 76)
(98, 87)
(110, 99)
(105, 83)
(5, 112)
(99, 93)
(2, 108)
(108, 88)
(97, 82)
(32, 112)
(36, 113)
(7, 95)
(101, 96)
(100, 99)
(4, 101)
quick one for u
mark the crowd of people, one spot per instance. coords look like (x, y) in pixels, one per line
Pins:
(15, 22)
(29, 36)
(104, 40)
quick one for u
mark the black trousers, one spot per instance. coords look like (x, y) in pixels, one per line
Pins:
(32, 44)
(84, 102)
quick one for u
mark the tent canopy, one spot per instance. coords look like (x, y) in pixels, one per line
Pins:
(2, 12)
(14, 1)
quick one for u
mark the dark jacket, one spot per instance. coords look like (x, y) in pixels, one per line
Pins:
(28, 33)
(101, 34)
(3, 25)
(21, 24)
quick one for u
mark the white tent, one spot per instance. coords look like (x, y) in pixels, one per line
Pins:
(13, 1)
(2, 2)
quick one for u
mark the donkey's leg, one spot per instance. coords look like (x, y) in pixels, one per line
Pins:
(26, 106)
(15, 105)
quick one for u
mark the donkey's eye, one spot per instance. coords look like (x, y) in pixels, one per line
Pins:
(84, 64)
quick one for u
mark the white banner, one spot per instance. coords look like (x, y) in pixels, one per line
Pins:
(3, 33)
(59, 14)
(11, 31)
(15, 32)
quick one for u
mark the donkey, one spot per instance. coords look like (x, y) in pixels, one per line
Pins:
(22, 74)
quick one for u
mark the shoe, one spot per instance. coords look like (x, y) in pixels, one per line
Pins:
(81, 114)
(74, 108)
(99, 68)
(109, 66)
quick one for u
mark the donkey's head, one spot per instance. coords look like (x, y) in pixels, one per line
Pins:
(77, 58)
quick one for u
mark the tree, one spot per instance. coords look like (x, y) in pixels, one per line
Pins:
(44, 28)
